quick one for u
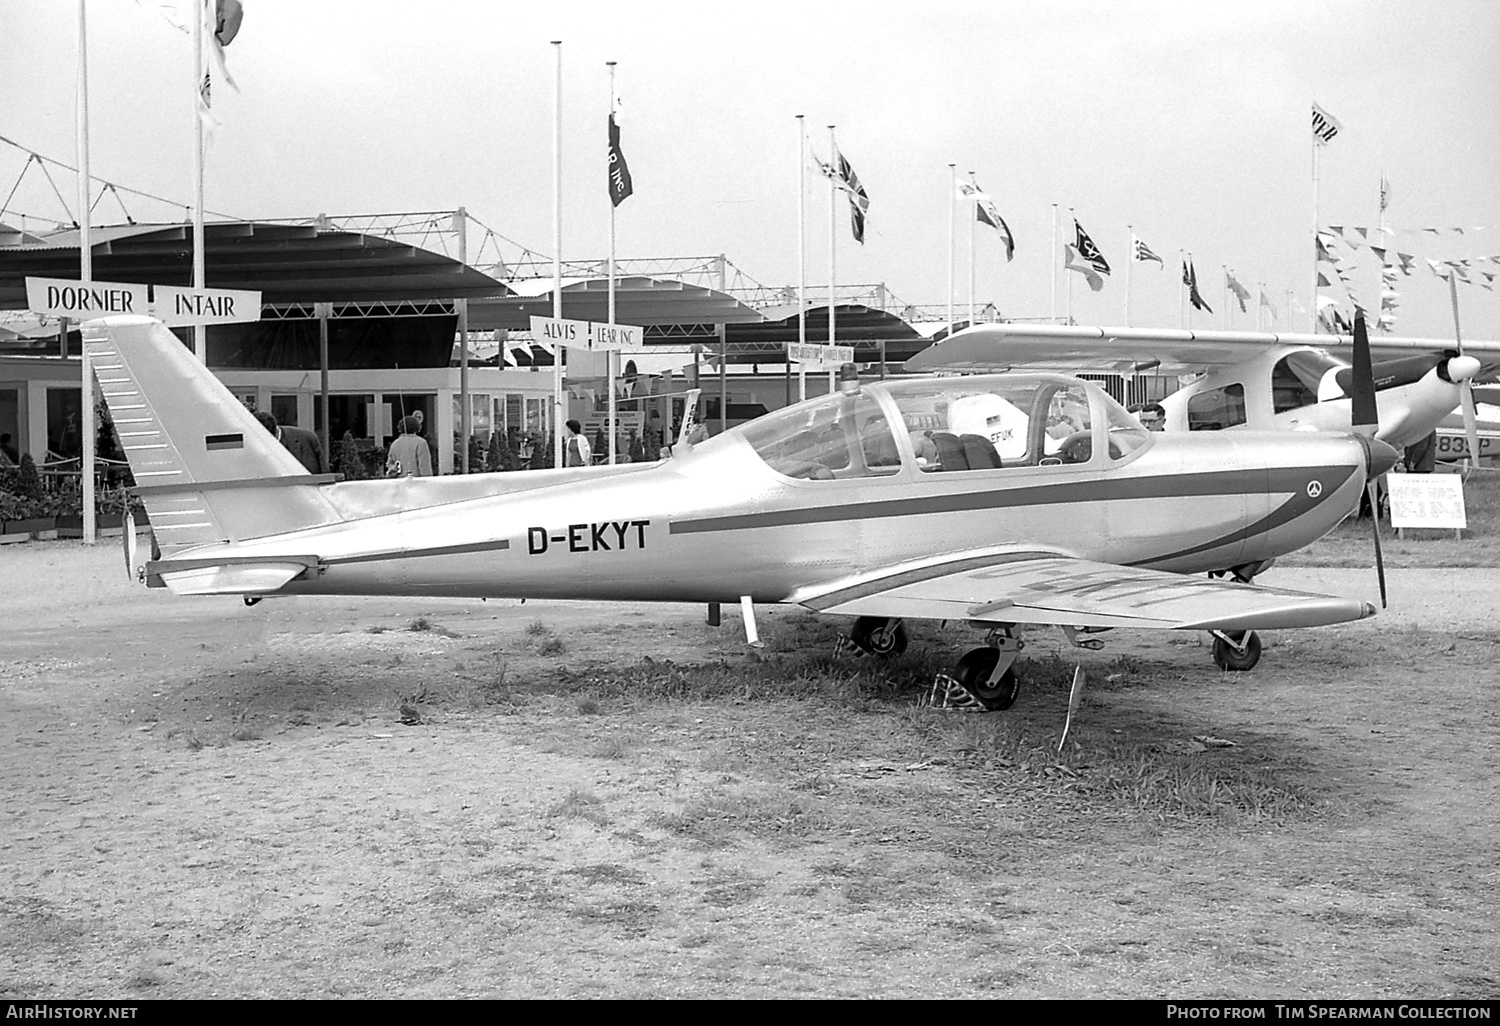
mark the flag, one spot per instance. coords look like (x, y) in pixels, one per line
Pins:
(1240, 292)
(1324, 125)
(1266, 302)
(1088, 251)
(1076, 261)
(221, 23)
(1190, 279)
(842, 174)
(1385, 192)
(1142, 252)
(986, 213)
(620, 186)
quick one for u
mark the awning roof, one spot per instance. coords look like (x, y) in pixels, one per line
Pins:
(638, 300)
(287, 263)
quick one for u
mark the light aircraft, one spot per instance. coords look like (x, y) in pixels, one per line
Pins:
(1002, 501)
(1255, 380)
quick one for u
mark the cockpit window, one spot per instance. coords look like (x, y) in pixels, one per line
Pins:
(836, 437)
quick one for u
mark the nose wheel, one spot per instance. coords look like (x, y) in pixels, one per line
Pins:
(1236, 650)
(879, 636)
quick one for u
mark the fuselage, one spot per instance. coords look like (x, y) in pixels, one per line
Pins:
(828, 488)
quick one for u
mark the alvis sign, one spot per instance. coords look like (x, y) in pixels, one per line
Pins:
(592, 335)
(173, 306)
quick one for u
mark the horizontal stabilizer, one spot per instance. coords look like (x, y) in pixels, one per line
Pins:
(233, 579)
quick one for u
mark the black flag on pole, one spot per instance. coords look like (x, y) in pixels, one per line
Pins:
(620, 185)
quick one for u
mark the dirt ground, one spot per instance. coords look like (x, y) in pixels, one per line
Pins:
(207, 800)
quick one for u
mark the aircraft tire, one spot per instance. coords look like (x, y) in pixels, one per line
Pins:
(868, 633)
(973, 673)
(1228, 659)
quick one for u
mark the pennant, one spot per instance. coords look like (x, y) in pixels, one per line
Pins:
(1323, 282)
(1324, 125)
(1407, 263)
(1240, 292)
(1142, 252)
(1076, 261)
(620, 185)
(1323, 253)
(1088, 251)
(841, 172)
(1379, 252)
(1190, 279)
(986, 213)
(1489, 280)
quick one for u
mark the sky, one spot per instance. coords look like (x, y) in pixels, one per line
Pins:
(1187, 121)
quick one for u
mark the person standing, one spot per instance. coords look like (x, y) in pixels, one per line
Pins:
(300, 442)
(579, 452)
(409, 455)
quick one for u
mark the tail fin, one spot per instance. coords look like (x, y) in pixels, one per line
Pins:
(208, 471)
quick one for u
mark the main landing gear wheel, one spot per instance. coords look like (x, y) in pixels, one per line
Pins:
(974, 671)
(879, 636)
(1236, 650)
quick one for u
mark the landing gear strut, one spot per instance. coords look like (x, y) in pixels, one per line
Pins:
(1236, 650)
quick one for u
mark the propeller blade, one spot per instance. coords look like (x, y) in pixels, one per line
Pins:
(1466, 389)
(1364, 415)
(1375, 527)
(1471, 418)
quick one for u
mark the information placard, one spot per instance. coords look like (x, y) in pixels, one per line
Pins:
(823, 356)
(1427, 500)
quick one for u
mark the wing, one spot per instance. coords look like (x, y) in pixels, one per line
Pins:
(990, 347)
(1000, 586)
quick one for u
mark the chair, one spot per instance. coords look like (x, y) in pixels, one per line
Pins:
(980, 452)
(950, 451)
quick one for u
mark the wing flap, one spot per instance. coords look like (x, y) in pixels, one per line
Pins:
(1047, 588)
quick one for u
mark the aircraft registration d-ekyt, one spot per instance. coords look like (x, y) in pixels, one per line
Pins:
(1001, 501)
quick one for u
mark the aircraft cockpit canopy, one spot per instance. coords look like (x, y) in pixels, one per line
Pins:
(946, 425)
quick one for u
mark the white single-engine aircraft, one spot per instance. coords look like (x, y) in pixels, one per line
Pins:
(1259, 381)
(1003, 501)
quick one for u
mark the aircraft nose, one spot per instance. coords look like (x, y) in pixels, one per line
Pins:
(1379, 457)
(1462, 368)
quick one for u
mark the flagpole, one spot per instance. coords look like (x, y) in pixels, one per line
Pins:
(85, 274)
(1228, 320)
(1070, 277)
(1053, 317)
(952, 238)
(801, 252)
(1182, 317)
(1313, 310)
(610, 354)
(200, 346)
(833, 220)
(1260, 301)
(973, 209)
(1129, 266)
(557, 353)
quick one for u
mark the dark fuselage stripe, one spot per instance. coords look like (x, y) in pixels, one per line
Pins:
(1228, 482)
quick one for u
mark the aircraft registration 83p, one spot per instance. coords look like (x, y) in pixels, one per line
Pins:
(1000, 501)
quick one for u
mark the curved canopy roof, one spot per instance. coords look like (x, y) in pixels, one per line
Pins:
(638, 300)
(286, 263)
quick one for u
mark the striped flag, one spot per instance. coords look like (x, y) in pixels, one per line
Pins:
(1142, 252)
(1324, 125)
